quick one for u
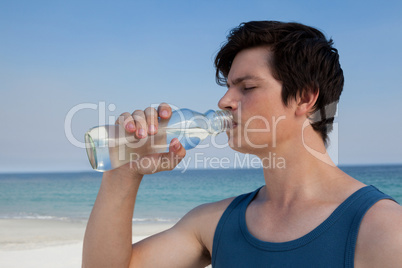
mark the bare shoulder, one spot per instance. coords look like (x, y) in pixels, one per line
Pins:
(380, 236)
(187, 244)
(204, 219)
(214, 209)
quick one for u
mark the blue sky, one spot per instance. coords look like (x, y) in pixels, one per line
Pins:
(55, 55)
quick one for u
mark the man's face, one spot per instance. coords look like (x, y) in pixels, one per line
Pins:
(254, 98)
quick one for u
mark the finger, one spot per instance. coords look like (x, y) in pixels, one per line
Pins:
(164, 110)
(151, 117)
(126, 120)
(140, 123)
(161, 162)
(177, 148)
(174, 156)
(176, 153)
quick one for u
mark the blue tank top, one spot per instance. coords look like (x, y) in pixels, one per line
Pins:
(331, 244)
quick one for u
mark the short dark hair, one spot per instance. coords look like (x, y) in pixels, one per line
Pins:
(302, 59)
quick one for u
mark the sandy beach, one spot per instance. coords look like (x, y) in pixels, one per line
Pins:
(51, 243)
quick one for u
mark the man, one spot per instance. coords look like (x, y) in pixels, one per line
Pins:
(283, 80)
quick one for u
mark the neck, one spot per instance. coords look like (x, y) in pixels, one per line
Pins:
(301, 174)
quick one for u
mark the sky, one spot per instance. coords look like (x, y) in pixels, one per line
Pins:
(66, 66)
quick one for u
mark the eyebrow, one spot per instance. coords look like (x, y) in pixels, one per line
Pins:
(243, 78)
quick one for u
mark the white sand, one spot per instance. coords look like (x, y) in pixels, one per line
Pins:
(49, 243)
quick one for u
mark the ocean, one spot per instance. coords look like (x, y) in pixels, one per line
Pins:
(163, 197)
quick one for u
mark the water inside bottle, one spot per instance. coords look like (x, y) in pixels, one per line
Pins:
(189, 138)
(109, 150)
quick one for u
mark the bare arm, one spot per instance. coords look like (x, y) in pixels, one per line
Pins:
(108, 237)
(107, 241)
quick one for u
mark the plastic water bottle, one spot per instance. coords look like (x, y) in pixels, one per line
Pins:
(110, 146)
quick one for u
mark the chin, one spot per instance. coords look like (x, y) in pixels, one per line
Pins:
(245, 149)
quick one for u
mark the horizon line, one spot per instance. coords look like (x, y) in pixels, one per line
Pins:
(179, 170)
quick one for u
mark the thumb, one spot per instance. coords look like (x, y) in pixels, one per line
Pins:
(176, 152)
(164, 161)
(172, 158)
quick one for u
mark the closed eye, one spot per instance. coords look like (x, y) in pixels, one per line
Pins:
(249, 88)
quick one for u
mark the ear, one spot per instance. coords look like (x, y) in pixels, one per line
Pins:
(306, 101)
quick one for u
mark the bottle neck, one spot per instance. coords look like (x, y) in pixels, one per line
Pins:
(221, 121)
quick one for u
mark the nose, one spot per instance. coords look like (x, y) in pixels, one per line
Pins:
(228, 101)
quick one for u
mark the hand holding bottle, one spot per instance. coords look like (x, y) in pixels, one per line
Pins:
(158, 139)
(143, 133)
(141, 124)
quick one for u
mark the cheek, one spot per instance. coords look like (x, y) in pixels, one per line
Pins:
(254, 131)
(264, 128)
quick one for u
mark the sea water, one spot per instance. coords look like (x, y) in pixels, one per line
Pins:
(162, 197)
